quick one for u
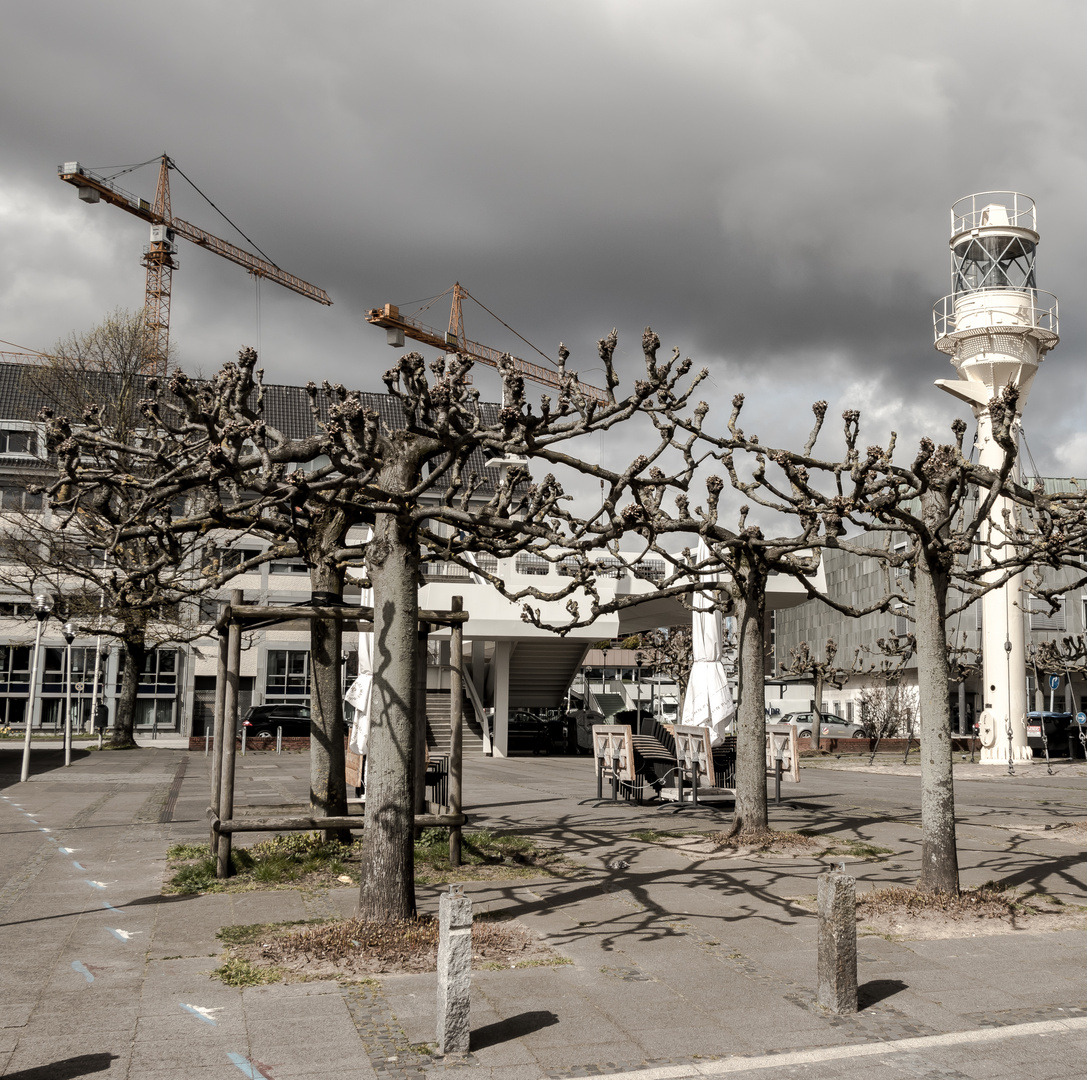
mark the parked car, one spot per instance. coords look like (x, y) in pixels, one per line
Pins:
(263, 720)
(1056, 725)
(832, 727)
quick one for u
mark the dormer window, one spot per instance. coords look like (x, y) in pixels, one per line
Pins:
(23, 443)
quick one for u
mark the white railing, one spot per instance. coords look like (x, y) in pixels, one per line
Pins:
(1018, 310)
(983, 210)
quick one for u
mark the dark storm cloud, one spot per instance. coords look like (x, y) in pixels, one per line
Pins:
(766, 184)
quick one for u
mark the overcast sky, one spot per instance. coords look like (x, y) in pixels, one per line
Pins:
(765, 183)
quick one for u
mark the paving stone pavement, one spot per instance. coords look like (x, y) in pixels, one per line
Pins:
(679, 966)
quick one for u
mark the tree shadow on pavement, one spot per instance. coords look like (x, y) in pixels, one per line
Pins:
(513, 1027)
(67, 1069)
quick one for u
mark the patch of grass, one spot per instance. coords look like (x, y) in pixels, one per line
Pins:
(238, 972)
(856, 849)
(251, 933)
(284, 861)
(183, 852)
(484, 855)
(653, 836)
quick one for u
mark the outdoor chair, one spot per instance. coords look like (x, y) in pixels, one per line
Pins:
(708, 772)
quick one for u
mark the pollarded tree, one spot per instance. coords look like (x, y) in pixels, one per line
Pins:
(420, 487)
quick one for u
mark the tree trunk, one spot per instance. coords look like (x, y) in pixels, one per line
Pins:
(123, 732)
(327, 767)
(749, 591)
(939, 858)
(387, 889)
(817, 709)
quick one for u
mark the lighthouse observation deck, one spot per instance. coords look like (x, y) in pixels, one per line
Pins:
(994, 241)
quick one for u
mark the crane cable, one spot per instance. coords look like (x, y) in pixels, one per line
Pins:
(509, 328)
(173, 165)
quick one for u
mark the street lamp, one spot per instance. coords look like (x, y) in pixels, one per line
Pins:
(42, 604)
(69, 636)
(639, 659)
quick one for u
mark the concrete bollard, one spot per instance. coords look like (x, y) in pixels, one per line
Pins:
(454, 971)
(838, 942)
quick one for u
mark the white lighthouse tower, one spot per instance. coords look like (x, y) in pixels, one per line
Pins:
(997, 328)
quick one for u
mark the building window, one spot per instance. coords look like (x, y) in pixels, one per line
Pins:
(15, 608)
(288, 566)
(1041, 618)
(649, 569)
(612, 567)
(14, 669)
(288, 676)
(23, 443)
(532, 565)
(236, 556)
(900, 549)
(15, 497)
(486, 562)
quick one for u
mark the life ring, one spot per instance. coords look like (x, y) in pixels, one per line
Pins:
(987, 728)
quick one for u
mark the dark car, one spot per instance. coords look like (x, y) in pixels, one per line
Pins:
(1056, 725)
(261, 721)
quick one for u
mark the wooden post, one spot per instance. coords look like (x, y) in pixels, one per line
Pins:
(456, 709)
(217, 737)
(230, 728)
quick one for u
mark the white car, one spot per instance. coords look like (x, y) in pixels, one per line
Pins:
(832, 727)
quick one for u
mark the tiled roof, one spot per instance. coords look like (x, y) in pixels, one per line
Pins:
(287, 408)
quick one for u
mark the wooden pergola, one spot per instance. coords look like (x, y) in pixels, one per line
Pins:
(238, 617)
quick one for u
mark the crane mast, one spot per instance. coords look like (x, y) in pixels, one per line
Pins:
(159, 258)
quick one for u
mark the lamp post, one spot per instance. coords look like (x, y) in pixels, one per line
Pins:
(604, 674)
(43, 604)
(69, 636)
(638, 661)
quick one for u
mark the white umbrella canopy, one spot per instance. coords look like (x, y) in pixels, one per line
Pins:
(359, 692)
(708, 700)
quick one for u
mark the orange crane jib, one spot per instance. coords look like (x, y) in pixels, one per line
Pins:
(93, 188)
(451, 341)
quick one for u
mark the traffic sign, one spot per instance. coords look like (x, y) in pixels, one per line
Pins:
(1054, 682)
(1081, 718)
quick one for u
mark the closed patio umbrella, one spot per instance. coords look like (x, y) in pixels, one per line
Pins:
(708, 700)
(359, 692)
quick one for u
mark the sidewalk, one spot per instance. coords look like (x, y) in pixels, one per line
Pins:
(680, 967)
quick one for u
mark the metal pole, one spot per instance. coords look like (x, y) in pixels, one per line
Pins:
(97, 672)
(25, 775)
(456, 718)
(217, 738)
(230, 727)
(279, 739)
(777, 781)
(68, 707)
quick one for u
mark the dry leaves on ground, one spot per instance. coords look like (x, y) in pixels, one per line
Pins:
(355, 947)
(990, 909)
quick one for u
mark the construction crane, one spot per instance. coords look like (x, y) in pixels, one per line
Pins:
(400, 326)
(159, 256)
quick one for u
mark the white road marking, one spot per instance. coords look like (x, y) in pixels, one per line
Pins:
(859, 1050)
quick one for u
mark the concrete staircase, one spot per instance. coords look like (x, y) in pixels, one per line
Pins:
(438, 729)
